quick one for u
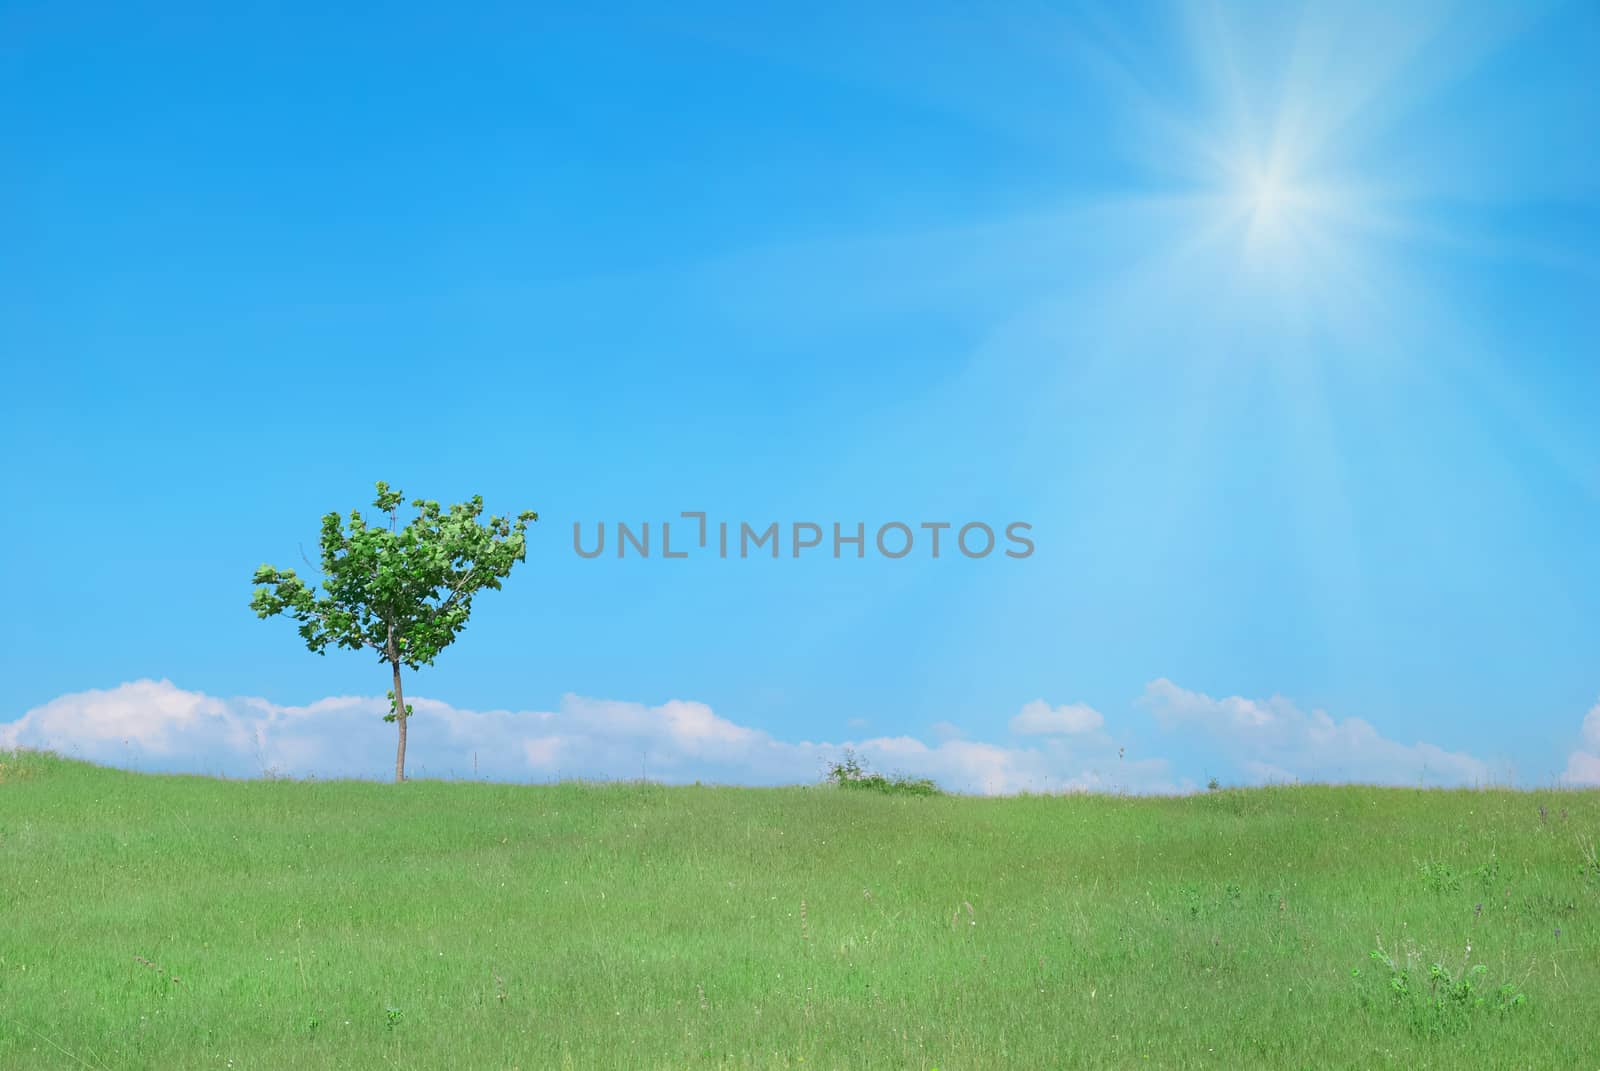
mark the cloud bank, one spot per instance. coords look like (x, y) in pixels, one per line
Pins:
(155, 725)
(1274, 740)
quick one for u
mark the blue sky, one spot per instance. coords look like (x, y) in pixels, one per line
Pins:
(1276, 322)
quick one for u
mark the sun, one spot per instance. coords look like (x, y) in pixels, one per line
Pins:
(1268, 199)
(1272, 204)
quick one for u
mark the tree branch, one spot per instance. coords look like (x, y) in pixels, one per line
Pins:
(454, 591)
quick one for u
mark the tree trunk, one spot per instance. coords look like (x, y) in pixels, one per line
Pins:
(399, 720)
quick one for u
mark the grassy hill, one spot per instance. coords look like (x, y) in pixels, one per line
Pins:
(181, 922)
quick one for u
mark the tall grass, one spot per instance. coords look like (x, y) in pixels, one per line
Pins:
(178, 922)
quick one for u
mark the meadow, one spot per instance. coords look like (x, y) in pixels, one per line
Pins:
(186, 922)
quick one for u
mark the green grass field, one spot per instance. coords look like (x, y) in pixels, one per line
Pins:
(181, 922)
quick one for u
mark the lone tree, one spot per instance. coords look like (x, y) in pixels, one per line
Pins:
(402, 592)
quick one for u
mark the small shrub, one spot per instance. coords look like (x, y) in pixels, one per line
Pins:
(1432, 998)
(851, 772)
(848, 768)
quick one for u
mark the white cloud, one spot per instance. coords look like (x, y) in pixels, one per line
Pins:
(1039, 718)
(1583, 766)
(1274, 740)
(151, 717)
(157, 726)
